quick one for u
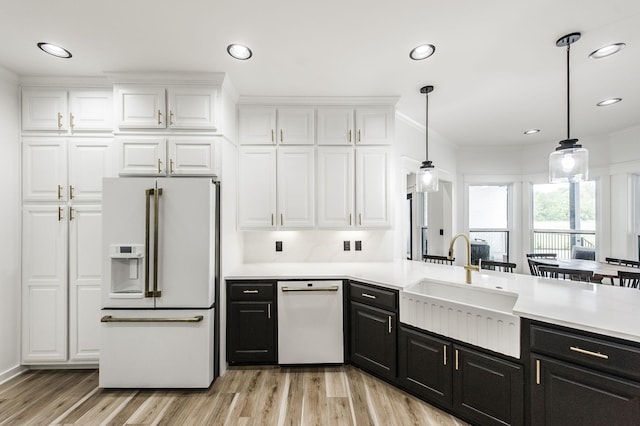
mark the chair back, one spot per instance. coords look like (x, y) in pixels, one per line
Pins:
(565, 273)
(533, 266)
(497, 266)
(442, 260)
(629, 279)
(542, 256)
(622, 262)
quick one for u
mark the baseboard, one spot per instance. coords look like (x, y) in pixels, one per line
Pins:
(11, 373)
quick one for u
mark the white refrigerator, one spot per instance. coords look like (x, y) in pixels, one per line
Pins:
(161, 275)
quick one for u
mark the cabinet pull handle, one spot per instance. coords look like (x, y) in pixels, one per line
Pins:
(159, 117)
(170, 117)
(59, 120)
(445, 354)
(171, 166)
(70, 213)
(109, 318)
(360, 219)
(359, 138)
(159, 165)
(269, 311)
(281, 135)
(350, 135)
(71, 120)
(272, 136)
(59, 213)
(250, 291)
(71, 192)
(389, 324)
(456, 360)
(349, 219)
(281, 219)
(537, 371)
(590, 353)
(369, 296)
(271, 219)
(59, 192)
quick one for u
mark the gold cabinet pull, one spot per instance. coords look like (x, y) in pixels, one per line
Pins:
(70, 213)
(281, 219)
(360, 219)
(147, 244)
(269, 311)
(590, 353)
(59, 192)
(537, 371)
(349, 219)
(271, 219)
(350, 135)
(71, 192)
(368, 296)
(71, 120)
(281, 135)
(159, 117)
(171, 166)
(456, 360)
(359, 138)
(445, 354)
(59, 120)
(59, 214)
(109, 318)
(389, 324)
(272, 136)
(170, 117)
(159, 165)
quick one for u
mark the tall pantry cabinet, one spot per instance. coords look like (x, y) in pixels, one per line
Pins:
(67, 147)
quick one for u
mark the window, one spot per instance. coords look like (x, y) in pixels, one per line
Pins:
(564, 219)
(489, 222)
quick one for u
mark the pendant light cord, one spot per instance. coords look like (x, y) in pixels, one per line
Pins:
(426, 128)
(568, 96)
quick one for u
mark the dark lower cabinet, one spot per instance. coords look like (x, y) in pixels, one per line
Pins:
(373, 339)
(486, 389)
(563, 394)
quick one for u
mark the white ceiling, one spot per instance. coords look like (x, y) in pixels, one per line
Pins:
(496, 69)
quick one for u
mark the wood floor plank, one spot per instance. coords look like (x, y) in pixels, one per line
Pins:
(246, 396)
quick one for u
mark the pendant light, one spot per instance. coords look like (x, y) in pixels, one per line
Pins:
(427, 177)
(570, 161)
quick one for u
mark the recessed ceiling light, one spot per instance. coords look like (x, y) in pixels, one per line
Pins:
(605, 51)
(531, 131)
(422, 52)
(609, 101)
(54, 50)
(239, 51)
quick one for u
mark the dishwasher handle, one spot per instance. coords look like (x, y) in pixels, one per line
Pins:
(331, 288)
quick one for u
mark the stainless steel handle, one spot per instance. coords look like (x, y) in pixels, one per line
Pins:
(332, 288)
(159, 117)
(70, 213)
(537, 371)
(156, 220)
(444, 347)
(389, 324)
(59, 192)
(590, 353)
(71, 192)
(369, 296)
(109, 318)
(250, 291)
(269, 311)
(60, 214)
(147, 234)
(456, 360)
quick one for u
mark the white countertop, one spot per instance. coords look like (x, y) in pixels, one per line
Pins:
(598, 308)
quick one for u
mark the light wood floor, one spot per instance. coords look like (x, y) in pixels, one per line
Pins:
(243, 396)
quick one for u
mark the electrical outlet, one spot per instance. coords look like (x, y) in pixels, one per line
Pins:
(278, 245)
(358, 245)
(346, 245)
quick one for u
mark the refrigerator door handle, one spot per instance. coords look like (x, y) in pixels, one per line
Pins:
(156, 218)
(109, 318)
(147, 233)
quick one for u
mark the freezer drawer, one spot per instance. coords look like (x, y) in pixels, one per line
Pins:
(157, 348)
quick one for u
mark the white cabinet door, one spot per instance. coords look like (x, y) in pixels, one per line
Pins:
(89, 161)
(85, 277)
(142, 156)
(44, 283)
(141, 107)
(335, 126)
(192, 108)
(335, 186)
(372, 187)
(44, 109)
(296, 126)
(296, 183)
(91, 110)
(193, 157)
(44, 169)
(374, 125)
(257, 125)
(257, 188)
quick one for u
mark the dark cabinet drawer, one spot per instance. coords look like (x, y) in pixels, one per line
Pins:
(622, 360)
(374, 296)
(251, 291)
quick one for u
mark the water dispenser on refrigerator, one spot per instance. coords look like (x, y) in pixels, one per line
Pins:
(127, 270)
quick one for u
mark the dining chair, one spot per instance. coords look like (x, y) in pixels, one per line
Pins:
(542, 256)
(629, 279)
(442, 260)
(497, 266)
(565, 273)
(533, 266)
(622, 262)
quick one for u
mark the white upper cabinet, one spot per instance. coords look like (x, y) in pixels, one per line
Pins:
(44, 169)
(193, 157)
(145, 107)
(335, 184)
(372, 187)
(266, 125)
(142, 156)
(257, 188)
(67, 111)
(372, 125)
(296, 183)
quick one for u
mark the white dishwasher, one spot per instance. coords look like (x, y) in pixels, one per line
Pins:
(310, 322)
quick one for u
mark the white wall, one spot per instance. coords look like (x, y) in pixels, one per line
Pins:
(9, 226)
